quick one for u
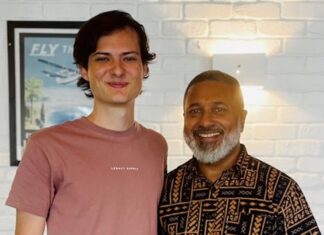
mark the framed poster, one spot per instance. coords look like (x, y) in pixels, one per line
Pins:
(42, 79)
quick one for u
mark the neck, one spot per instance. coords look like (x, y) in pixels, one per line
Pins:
(214, 171)
(117, 117)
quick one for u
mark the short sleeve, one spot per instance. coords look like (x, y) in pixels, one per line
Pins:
(296, 213)
(32, 187)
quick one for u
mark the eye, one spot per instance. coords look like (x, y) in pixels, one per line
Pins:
(102, 59)
(194, 111)
(219, 110)
(130, 58)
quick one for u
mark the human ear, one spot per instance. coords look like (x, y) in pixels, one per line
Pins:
(84, 73)
(243, 114)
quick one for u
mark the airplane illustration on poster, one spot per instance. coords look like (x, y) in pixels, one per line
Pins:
(62, 75)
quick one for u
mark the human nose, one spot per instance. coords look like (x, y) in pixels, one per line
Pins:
(118, 68)
(206, 119)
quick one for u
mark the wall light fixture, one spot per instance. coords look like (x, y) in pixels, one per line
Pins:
(249, 69)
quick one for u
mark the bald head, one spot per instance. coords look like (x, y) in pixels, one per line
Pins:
(218, 76)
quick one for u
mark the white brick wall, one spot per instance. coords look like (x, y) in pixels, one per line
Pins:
(285, 126)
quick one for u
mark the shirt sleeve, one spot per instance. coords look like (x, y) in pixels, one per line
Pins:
(32, 188)
(296, 213)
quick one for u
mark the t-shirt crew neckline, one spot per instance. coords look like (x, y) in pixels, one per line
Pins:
(131, 131)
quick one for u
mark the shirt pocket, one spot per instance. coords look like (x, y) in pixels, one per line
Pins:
(259, 222)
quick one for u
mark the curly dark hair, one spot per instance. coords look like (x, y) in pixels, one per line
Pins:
(104, 24)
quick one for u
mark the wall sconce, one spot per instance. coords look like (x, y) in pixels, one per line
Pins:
(249, 69)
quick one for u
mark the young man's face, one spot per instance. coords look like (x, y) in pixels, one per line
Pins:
(115, 70)
(212, 120)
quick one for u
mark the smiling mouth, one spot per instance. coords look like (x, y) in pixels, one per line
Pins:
(208, 133)
(118, 84)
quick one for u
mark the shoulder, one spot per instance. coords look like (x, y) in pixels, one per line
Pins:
(181, 171)
(277, 182)
(153, 135)
(54, 132)
(266, 167)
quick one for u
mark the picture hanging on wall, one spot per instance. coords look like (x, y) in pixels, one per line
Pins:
(42, 79)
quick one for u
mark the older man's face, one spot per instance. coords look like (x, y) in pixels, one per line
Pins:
(213, 121)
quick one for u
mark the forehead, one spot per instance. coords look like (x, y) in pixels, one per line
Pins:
(125, 36)
(210, 91)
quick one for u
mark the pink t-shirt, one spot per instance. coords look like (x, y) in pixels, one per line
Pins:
(86, 180)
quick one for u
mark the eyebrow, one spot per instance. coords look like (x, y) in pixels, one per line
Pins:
(108, 53)
(213, 103)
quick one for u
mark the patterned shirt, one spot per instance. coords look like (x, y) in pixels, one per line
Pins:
(250, 198)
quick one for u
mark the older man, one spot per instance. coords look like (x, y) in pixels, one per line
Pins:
(222, 189)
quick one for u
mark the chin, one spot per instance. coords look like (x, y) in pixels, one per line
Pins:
(212, 153)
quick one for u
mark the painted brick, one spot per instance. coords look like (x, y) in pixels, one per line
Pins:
(281, 99)
(4, 142)
(298, 114)
(185, 29)
(311, 131)
(281, 28)
(237, 29)
(311, 164)
(55, 10)
(159, 11)
(149, 98)
(247, 133)
(186, 150)
(7, 223)
(174, 98)
(207, 11)
(259, 148)
(315, 29)
(283, 65)
(174, 147)
(172, 131)
(314, 98)
(315, 196)
(163, 82)
(188, 63)
(185, 1)
(223, 46)
(275, 132)
(9, 174)
(4, 190)
(4, 157)
(284, 164)
(152, 29)
(266, 10)
(303, 10)
(160, 114)
(315, 64)
(4, 117)
(185, 34)
(5, 210)
(12, 11)
(304, 46)
(98, 8)
(295, 83)
(174, 162)
(261, 115)
(168, 46)
(298, 148)
(307, 180)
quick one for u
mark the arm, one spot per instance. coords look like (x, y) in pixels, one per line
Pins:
(29, 224)
(297, 217)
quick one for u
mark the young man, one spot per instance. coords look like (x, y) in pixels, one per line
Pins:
(100, 174)
(222, 189)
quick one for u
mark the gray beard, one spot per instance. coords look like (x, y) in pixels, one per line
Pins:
(212, 154)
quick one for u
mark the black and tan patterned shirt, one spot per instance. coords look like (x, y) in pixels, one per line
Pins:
(250, 198)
